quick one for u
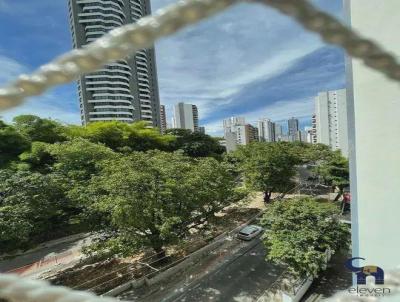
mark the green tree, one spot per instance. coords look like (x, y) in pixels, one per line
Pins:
(39, 129)
(38, 158)
(195, 144)
(33, 208)
(267, 167)
(79, 159)
(335, 172)
(300, 231)
(154, 198)
(12, 144)
(119, 136)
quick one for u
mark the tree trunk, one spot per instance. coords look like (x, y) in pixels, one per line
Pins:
(160, 253)
(267, 197)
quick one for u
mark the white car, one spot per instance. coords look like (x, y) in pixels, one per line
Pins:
(249, 232)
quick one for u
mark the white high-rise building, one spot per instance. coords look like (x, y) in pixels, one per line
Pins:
(126, 90)
(237, 132)
(331, 120)
(266, 130)
(374, 142)
(186, 116)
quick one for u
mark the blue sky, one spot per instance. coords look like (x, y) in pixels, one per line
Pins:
(248, 61)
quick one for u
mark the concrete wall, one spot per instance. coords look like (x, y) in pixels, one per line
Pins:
(374, 111)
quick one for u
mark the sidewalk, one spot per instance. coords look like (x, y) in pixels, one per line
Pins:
(47, 255)
(335, 278)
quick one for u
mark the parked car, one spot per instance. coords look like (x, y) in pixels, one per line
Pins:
(249, 232)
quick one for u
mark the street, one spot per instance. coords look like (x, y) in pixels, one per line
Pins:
(59, 251)
(242, 276)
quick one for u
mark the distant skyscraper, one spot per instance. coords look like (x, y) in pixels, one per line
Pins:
(237, 132)
(186, 117)
(202, 130)
(126, 90)
(293, 127)
(266, 130)
(278, 132)
(331, 119)
(163, 119)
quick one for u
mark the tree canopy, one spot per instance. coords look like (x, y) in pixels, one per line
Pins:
(195, 144)
(37, 129)
(335, 172)
(155, 197)
(300, 231)
(267, 167)
(33, 207)
(12, 144)
(119, 136)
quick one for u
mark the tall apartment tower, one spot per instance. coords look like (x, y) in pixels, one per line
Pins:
(186, 116)
(266, 130)
(126, 90)
(163, 119)
(331, 119)
(293, 127)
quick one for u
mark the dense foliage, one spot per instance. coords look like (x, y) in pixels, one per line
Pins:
(50, 172)
(267, 167)
(134, 186)
(300, 231)
(154, 198)
(33, 207)
(195, 144)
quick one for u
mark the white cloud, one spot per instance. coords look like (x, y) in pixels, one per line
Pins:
(47, 106)
(10, 69)
(209, 63)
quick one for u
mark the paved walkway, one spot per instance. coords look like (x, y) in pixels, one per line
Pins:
(58, 252)
(335, 278)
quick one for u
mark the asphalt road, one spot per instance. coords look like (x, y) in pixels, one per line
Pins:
(241, 279)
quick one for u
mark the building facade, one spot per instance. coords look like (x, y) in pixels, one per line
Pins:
(373, 109)
(266, 129)
(126, 90)
(278, 132)
(186, 116)
(293, 129)
(163, 119)
(237, 132)
(331, 120)
(308, 135)
(314, 129)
